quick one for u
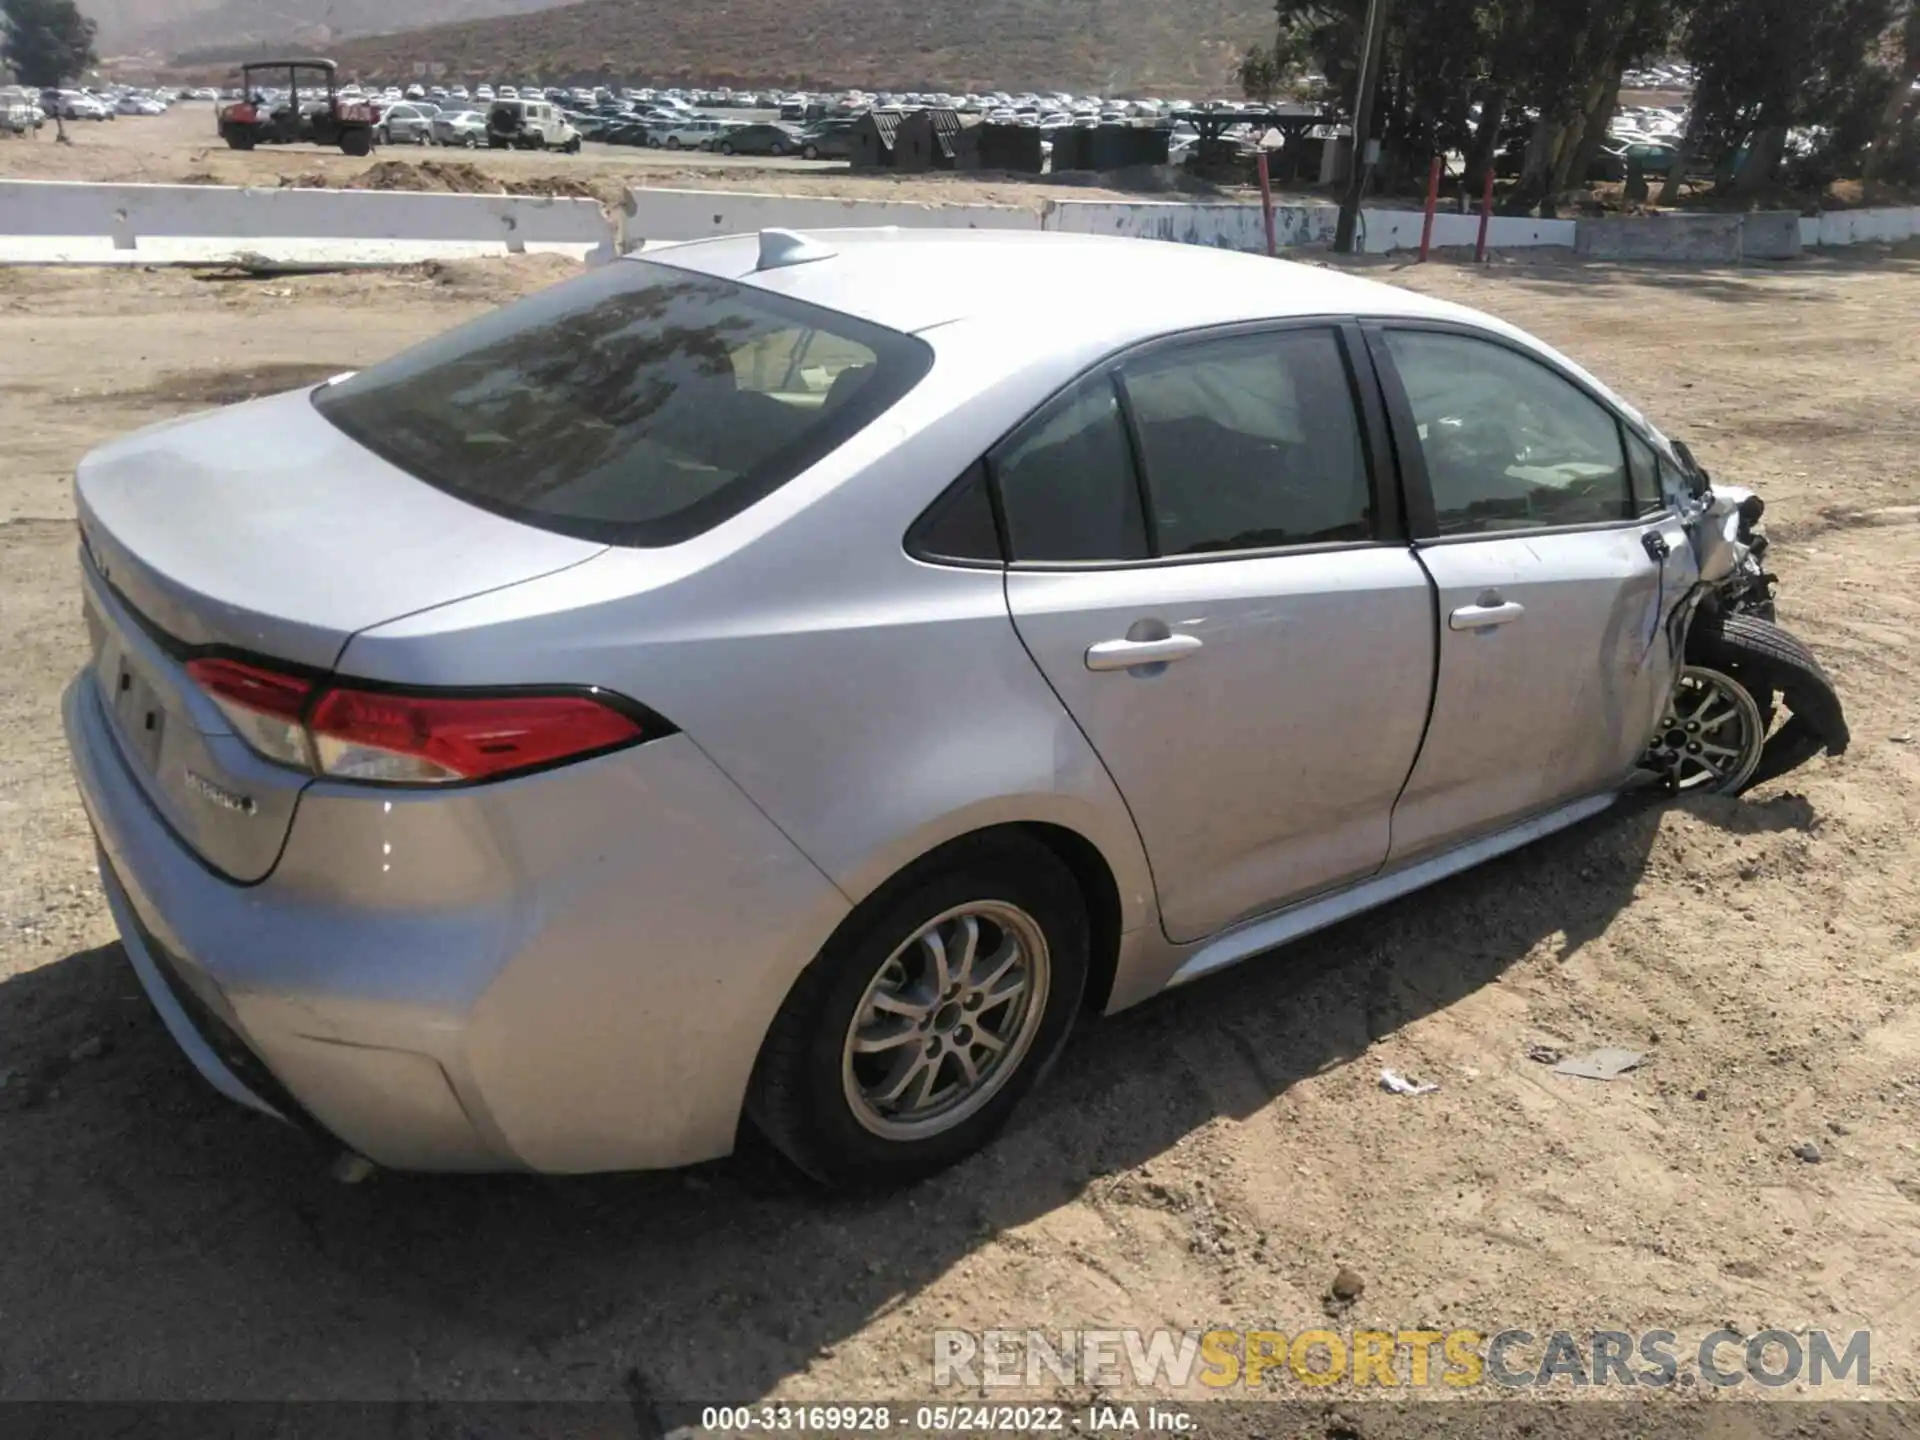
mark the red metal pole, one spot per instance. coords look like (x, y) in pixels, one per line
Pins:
(1486, 218)
(1266, 202)
(1433, 200)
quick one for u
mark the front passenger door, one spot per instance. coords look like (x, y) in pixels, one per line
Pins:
(1556, 562)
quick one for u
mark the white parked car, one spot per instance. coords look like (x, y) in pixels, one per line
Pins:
(691, 134)
(530, 125)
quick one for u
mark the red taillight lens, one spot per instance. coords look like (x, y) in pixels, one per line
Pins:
(409, 739)
(264, 691)
(369, 735)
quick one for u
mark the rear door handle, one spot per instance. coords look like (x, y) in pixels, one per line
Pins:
(1131, 654)
(1483, 617)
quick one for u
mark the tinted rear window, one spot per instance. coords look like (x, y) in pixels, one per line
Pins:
(637, 405)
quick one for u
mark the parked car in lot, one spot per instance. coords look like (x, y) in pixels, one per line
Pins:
(698, 133)
(460, 127)
(20, 110)
(411, 122)
(625, 132)
(529, 125)
(75, 105)
(759, 140)
(791, 692)
(1616, 157)
(827, 140)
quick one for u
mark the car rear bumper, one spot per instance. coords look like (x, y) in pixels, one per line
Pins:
(567, 973)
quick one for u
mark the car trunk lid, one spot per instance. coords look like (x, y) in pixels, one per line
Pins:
(264, 530)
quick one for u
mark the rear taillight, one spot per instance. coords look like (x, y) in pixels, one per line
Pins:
(413, 738)
(263, 706)
(416, 739)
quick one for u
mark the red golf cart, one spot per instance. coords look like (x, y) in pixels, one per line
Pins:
(312, 114)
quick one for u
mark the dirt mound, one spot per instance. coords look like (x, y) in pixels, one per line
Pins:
(564, 187)
(495, 279)
(305, 180)
(450, 177)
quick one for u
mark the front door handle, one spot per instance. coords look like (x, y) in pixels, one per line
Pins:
(1131, 654)
(1484, 617)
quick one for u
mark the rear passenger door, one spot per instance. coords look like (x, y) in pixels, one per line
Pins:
(1207, 562)
(1537, 510)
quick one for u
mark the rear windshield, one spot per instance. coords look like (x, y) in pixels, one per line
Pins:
(637, 405)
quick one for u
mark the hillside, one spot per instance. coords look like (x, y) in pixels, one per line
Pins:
(1118, 46)
(169, 27)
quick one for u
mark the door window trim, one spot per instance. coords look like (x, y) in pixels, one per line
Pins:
(1384, 483)
(1423, 524)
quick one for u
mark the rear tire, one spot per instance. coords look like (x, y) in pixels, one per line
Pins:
(357, 143)
(838, 1085)
(812, 152)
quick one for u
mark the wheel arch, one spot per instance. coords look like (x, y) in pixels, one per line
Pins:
(1101, 894)
(1100, 882)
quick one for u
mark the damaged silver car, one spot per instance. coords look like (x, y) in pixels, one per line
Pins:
(785, 681)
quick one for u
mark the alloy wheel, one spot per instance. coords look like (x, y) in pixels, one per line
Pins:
(1712, 735)
(947, 1021)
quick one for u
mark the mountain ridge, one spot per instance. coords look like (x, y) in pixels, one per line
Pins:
(1112, 46)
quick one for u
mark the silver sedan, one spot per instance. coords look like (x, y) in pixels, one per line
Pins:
(787, 680)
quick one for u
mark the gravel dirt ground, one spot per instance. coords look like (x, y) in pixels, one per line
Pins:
(1214, 1158)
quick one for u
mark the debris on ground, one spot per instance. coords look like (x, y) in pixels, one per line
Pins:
(1606, 1063)
(91, 1048)
(1347, 1287)
(1808, 1152)
(1545, 1054)
(1398, 1084)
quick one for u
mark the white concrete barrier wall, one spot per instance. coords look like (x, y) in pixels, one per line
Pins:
(1881, 226)
(697, 214)
(1224, 226)
(69, 221)
(187, 222)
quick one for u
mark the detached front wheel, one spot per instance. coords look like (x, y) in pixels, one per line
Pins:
(1775, 669)
(1712, 735)
(908, 1042)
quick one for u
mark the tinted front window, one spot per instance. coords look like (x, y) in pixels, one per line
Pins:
(637, 405)
(1644, 465)
(1509, 444)
(1251, 443)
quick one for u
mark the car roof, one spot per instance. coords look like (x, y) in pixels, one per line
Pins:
(912, 280)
